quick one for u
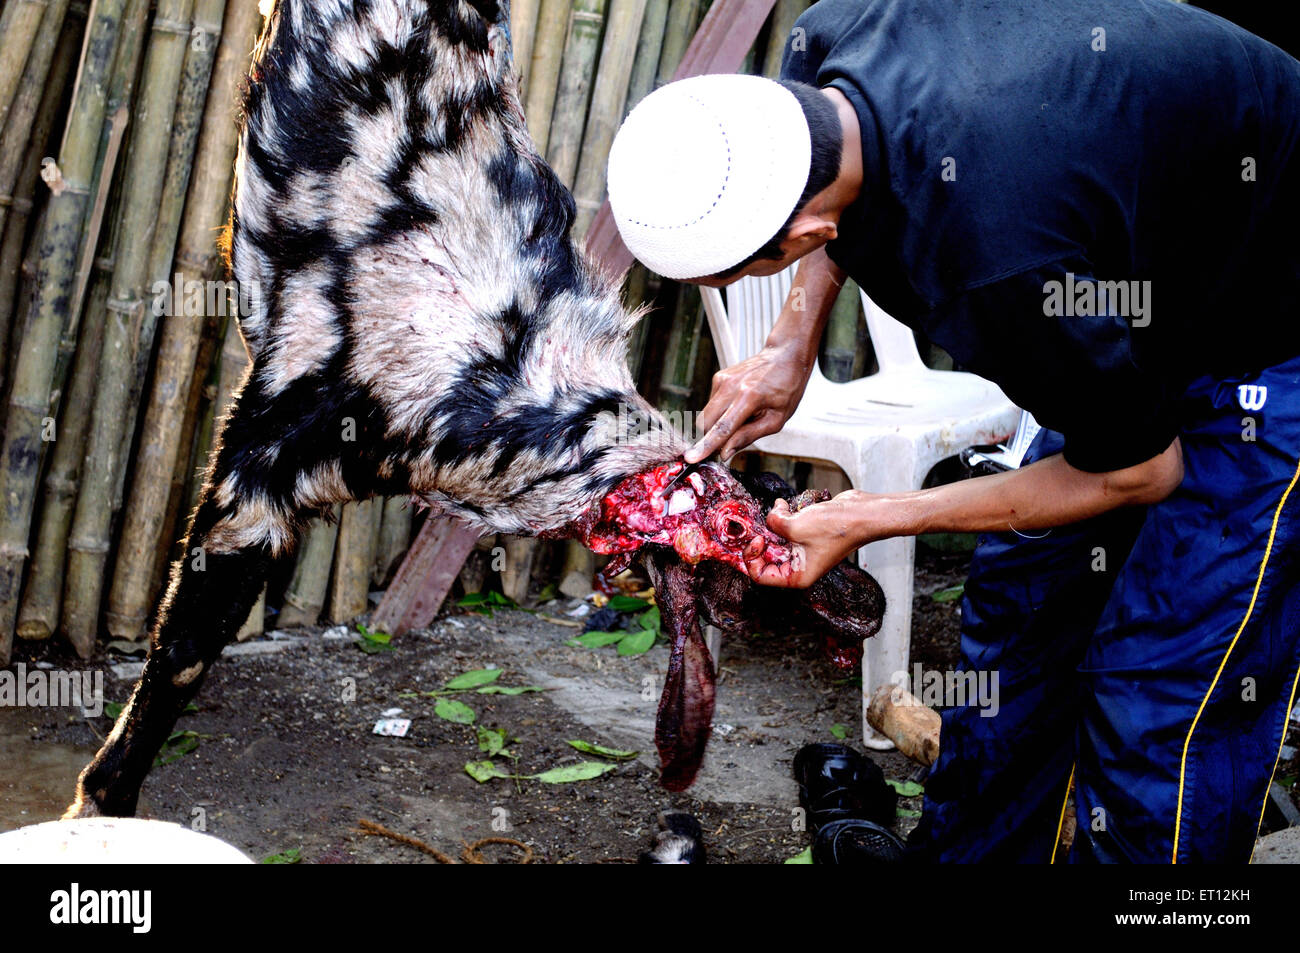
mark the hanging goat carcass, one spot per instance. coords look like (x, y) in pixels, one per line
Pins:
(424, 324)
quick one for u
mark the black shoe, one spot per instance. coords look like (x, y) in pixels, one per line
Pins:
(679, 841)
(835, 783)
(856, 841)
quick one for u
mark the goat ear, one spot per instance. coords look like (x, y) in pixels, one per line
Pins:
(765, 487)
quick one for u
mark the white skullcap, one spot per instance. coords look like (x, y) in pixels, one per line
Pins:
(706, 170)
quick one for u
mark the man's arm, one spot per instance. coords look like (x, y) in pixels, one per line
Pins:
(757, 396)
(1044, 494)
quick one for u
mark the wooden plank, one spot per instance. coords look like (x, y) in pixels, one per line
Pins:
(421, 585)
(720, 45)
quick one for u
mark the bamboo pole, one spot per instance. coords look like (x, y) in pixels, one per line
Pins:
(126, 66)
(27, 276)
(43, 595)
(197, 259)
(635, 293)
(544, 69)
(168, 547)
(22, 189)
(521, 554)
(21, 21)
(18, 128)
(565, 140)
(394, 539)
(255, 624)
(211, 409)
(578, 567)
(523, 31)
(235, 362)
(305, 597)
(783, 16)
(474, 571)
(124, 317)
(60, 238)
(683, 18)
(683, 344)
(841, 346)
(42, 598)
(191, 95)
(354, 554)
(607, 100)
(649, 44)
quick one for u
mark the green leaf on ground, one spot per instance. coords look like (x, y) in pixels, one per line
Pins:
(803, 857)
(484, 771)
(373, 642)
(650, 619)
(480, 676)
(177, 746)
(595, 640)
(636, 643)
(628, 604)
(906, 788)
(839, 731)
(509, 689)
(586, 747)
(491, 741)
(951, 594)
(583, 771)
(908, 812)
(448, 709)
(291, 856)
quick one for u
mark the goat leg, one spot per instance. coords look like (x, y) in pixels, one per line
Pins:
(209, 599)
(228, 554)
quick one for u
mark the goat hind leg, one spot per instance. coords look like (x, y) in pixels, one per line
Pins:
(209, 598)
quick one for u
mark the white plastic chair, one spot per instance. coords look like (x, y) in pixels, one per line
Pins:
(885, 431)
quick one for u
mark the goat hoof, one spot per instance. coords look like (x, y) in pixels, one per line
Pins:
(83, 806)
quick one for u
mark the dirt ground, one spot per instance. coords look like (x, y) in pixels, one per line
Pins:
(287, 760)
(284, 762)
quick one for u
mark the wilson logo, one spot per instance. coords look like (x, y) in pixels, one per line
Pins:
(1252, 396)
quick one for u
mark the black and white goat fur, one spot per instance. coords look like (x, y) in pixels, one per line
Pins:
(424, 324)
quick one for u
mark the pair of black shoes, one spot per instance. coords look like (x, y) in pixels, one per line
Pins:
(849, 807)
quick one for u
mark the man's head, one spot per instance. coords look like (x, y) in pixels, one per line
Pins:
(716, 177)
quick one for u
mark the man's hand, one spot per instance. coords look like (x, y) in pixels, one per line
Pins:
(757, 396)
(751, 400)
(1047, 493)
(821, 536)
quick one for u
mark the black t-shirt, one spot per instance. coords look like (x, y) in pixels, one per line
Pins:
(1017, 153)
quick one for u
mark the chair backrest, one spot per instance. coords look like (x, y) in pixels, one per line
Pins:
(740, 326)
(894, 342)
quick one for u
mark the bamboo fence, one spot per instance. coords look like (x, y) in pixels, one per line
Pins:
(117, 138)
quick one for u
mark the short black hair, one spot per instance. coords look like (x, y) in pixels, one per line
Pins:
(827, 135)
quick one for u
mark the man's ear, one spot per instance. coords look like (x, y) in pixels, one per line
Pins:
(810, 228)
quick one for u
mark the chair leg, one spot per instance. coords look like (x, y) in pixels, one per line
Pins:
(885, 656)
(713, 639)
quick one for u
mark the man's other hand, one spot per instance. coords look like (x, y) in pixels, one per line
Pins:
(751, 400)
